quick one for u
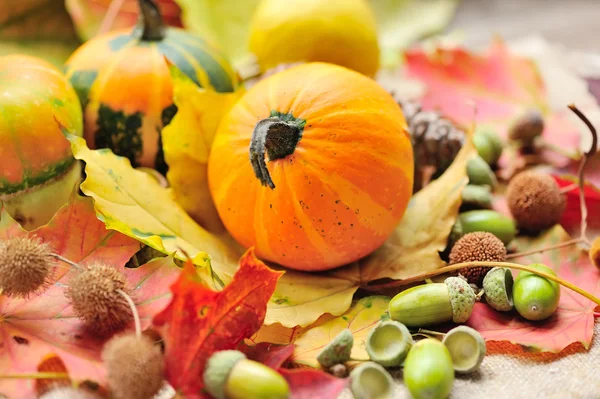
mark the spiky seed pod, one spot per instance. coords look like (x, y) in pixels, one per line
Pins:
(535, 200)
(68, 393)
(25, 266)
(477, 247)
(135, 367)
(96, 300)
(595, 252)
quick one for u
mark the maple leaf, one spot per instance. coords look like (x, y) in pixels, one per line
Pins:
(574, 319)
(571, 219)
(199, 321)
(45, 325)
(501, 86)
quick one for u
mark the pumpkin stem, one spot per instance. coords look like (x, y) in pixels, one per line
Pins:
(150, 22)
(278, 138)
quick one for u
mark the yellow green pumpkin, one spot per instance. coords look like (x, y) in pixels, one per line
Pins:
(123, 81)
(37, 168)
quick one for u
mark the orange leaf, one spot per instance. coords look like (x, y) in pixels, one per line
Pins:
(44, 325)
(574, 319)
(200, 321)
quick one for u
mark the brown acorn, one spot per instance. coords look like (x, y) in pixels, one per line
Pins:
(535, 200)
(527, 127)
(25, 266)
(135, 366)
(94, 294)
(477, 247)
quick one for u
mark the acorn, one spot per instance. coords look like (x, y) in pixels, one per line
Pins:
(527, 127)
(230, 375)
(467, 349)
(94, 295)
(493, 222)
(480, 173)
(595, 252)
(428, 370)
(434, 303)
(135, 366)
(498, 289)
(338, 350)
(489, 145)
(535, 200)
(479, 246)
(535, 297)
(25, 266)
(370, 380)
(476, 197)
(388, 343)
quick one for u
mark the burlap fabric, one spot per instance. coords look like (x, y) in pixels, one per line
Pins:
(509, 372)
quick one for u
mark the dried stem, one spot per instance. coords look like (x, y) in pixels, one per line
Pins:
(568, 188)
(136, 316)
(429, 332)
(67, 261)
(550, 248)
(468, 265)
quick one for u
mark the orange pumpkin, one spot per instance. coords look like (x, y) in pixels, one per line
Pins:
(313, 166)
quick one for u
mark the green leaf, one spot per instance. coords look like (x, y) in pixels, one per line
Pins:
(402, 22)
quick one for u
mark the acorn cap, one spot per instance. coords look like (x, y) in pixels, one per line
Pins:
(338, 350)
(467, 348)
(25, 266)
(497, 285)
(477, 247)
(370, 380)
(480, 173)
(462, 298)
(595, 252)
(535, 200)
(135, 366)
(217, 370)
(388, 343)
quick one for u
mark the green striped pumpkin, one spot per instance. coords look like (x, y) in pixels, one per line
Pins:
(123, 81)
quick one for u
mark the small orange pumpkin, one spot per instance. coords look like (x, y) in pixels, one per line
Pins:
(313, 166)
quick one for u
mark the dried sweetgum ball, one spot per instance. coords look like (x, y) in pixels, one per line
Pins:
(535, 200)
(135, 367)
(96, 297)
(25, 265)
(477, 247)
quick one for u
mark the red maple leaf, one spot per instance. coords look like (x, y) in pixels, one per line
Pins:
(501, 86)
(44, 325)
(200, 321)
(571, 219)
(574, 319)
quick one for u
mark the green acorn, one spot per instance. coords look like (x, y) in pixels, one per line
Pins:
(491, 221)
(480, 173)
(435, 303)
(338, 350)
(230, 375)
(498, 288)
(488, 145)
(476, 197)
(371, 381)
(467, 348)
(535, 297)
(428, 370)
(388, 343)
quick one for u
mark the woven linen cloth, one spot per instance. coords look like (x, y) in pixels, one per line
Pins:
(509, 372)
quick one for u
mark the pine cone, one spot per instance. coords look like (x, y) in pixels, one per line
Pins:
(436, 141)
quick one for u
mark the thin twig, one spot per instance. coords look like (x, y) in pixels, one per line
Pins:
(458, 266)
(136, 316)
(40, 375)
(67, 261)
(549, 248)
(568, 188)
(580, 172)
